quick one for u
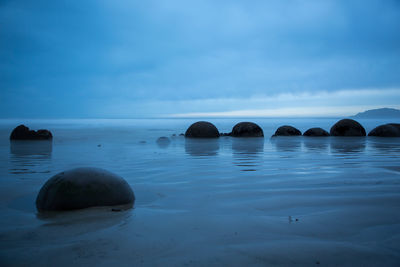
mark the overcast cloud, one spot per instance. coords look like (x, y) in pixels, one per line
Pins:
(122, 59)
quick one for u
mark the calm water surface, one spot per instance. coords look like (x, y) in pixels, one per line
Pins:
(231, 201)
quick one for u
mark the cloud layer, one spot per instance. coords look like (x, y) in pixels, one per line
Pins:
(155, 58)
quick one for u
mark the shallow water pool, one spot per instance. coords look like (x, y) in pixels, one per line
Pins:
(231, 201)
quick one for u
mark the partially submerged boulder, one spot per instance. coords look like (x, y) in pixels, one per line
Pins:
(287, 130)
(23, 133)
(202, 129)
(347, 127)
(316, 132)
(247, 129)
(163, 142)
(386, 130)
(83, 188)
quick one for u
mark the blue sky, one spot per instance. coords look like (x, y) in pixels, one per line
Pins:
(127, 59)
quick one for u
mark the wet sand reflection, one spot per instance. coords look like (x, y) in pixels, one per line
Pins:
(385, 145)
(28, 156)
(247, 152)
(199, 147)
(347, 145)
(316, 144)
(287, 143)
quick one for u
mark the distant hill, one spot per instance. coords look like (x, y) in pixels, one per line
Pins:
(378, 113)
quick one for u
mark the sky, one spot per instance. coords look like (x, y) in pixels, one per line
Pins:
(176, 58)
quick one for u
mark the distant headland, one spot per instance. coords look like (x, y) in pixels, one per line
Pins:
(378, 113)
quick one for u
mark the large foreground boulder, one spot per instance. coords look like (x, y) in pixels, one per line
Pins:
(247, 129)
(386, 130)
(23, 133)
(83, 188)
(202, 129)
(347, 127)
(287, 130)
(316, 132)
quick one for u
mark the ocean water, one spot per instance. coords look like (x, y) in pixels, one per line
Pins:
(226, 202)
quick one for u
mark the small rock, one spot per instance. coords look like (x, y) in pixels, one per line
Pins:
(163, 142)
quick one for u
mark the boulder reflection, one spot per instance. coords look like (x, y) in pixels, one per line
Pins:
(347, 145)
(76, 222)
(287, 143)
(247, 152)
(28, 156)
(387, 145)
(202, 146)
(30, 148)
(316, 144)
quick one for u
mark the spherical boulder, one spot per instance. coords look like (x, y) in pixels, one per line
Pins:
(83, 188)
(347, 127)
(287, 131)
(23, 133)
(247, 129)
(316, 132)
(396, 125)
(386, 130)
(202, 129)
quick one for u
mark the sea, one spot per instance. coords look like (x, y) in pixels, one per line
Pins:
(284, 201)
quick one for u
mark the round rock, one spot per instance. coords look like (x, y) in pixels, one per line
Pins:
(396, 125)
(83, 188)
(347, 127)
(316, 132)
(202, 129)
(247, 129)
(23, 133)
(386, 130)
(287, 130)
(163, 142)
